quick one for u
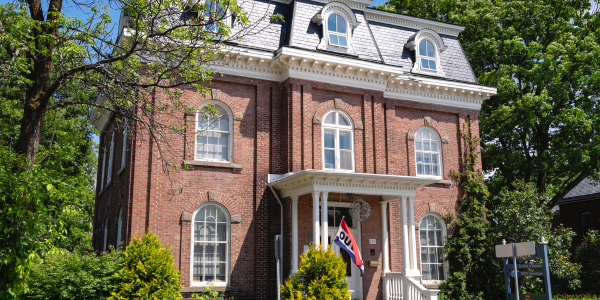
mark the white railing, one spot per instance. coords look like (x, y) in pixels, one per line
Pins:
(397, 285)
(392, 286)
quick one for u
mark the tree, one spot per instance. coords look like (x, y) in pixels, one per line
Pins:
(544, 57)
(148, 271)
(588, 255)
(322, 275)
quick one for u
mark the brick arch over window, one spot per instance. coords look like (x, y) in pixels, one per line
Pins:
(425, 208)
(338, 103)
(427, 121)
(206, 196)
(237, 108)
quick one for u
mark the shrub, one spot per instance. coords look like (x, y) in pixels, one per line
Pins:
(74, 276)
(147, 271)
(322, 275)
(209, 294)
(588, 255)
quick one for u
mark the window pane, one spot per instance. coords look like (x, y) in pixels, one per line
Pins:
(424, 255)
(343, 121)
(341, 24)
(200, 214)
(333, 39)
(331, 23)
(345, 140)
(211, 151)
(419, 157)
(332, 213)
(213, 138)
(209, 252)
(432, 257)
(224, 139)
(343, 41)
(419, 145)
(220, 276)
(221, 252)
(429, 49)
(198, 251)
(424, 63)
(209, 272)
(432, 65)
(423, 235)
(419, 169)
(211, 232)
(201, 151)
(197, 271)
(201, 139)
(199, 231)
(223, 153)
(438, 236)
(426, 169)
(434, 158)
(329, 119)
(434, 145)
(427, 158)
(222, 232)
(441, 271)
(433, 272)
(422, 48)
(426, 273)
(221, 216)
(211, 213)
(440, 255)
(330, 159)
(329, 138)
(426, 145)
(435, 171)
(430, 238)
(345, 211)
(346, 160)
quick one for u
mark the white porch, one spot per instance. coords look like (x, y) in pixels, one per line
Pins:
(320, 184)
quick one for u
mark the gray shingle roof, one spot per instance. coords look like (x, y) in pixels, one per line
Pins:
(587, 188)
(265, 34)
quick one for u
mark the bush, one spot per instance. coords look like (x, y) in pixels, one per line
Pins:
(588, 255)
(322, 275)
(74, 276)
(147, 271)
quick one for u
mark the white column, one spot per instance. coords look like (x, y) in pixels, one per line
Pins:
(294, 234)
(324, 225)
(316, 240)
(384, 237)
(413, 245)
(405, 257)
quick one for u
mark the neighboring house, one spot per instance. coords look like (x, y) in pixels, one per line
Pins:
(340, 102)
(580, 209)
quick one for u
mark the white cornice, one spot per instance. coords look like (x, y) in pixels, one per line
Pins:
(307, 181)
(99, 116)
(412, 22)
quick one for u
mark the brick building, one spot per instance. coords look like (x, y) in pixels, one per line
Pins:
(340, 103)
(580, 209)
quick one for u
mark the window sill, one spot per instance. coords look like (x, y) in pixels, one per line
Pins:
(428, 72)
(200, 288)
(218, 164)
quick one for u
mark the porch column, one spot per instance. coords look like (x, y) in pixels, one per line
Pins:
(315, 196)
(413, 245)
(405, 257)
(294, 234)
(384, 237)
(324, 225)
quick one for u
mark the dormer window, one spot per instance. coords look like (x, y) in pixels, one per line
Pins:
(427, 45)
(337, 21)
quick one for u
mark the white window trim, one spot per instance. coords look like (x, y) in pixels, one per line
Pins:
(440, 160)
(337, 140)
(227, 20)
(230, 146)
(119, 228)
(444, 238)
(104, 245)
(228, 247)
(351, 22)
(438, 45)
(110, 159)
(103, 168)
(124, 148)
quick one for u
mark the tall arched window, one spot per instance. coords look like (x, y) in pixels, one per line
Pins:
(213, 133)
(119, 226)
(427, 54)
(110, 158)
(210, 249)
(338, 141)
(337, 30)
(428, 153)
(124, 146)
(432, 233)
(104, 244)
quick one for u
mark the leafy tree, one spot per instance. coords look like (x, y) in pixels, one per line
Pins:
(148, 271)
(544, 57)
(66, 275)
(588, 255)
(322, 275)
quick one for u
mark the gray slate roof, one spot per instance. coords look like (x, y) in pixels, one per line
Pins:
(586, 189)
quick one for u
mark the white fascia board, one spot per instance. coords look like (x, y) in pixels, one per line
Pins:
(412, 22)
(324, 57)
(100, 116)
(355, 4)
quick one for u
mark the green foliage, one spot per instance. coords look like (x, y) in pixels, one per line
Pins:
(209, 294)
(65, 275)
(148, 271)
(588, 255)
(544, 58)
(322, 275)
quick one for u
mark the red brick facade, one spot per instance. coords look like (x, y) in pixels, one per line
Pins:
(277, 134)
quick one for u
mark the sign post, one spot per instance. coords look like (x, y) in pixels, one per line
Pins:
(515, 268)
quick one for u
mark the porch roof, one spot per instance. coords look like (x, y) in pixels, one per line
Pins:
(308, 181)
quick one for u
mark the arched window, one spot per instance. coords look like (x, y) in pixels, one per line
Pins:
(104, 244)
(427, 54)
(214, 14)
(432, 233)
(210, 249)
(338, 141)
(124, 146)
(213, 133)
(428, 153)
(110, 158)
(337, 30)
(119, 226)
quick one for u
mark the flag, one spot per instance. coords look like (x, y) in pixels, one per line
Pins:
(346, 241)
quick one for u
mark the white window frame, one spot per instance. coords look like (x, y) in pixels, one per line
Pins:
(124, 147)
(105, 243)
(440, 153)
(436, 56)
(227, 18)
(438, 45)
(110, 158)
(228, 247)
(350, 19)
(230, 146)
(119, 227)
(337, 129)
(103, 168)
(444, 238)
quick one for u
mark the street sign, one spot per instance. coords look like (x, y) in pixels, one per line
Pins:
(530, 273)
(527, 248)
(530, 266)
(505, 250)
(525, 252)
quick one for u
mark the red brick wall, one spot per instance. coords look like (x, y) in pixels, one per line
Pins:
(276, 135)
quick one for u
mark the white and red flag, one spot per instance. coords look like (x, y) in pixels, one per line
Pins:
(346, 241)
